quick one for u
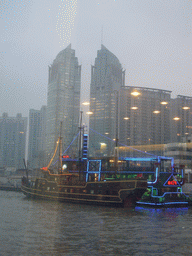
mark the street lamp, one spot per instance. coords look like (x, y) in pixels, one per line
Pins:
(86, 103)
(176, 118)
(135, 93)
(164, 103)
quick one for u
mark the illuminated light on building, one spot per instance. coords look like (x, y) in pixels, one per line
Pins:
(103, 147)
(164, 103)
(156, 112)
(176, 118)
(89, 113)
(85, 103)
(126, 118)
(135, 93)
(134, 108)
(185, 108)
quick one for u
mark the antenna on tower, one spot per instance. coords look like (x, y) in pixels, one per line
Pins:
(102, 35)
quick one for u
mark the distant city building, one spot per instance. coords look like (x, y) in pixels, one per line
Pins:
(181, 152)
(181, 118)
(107, 77)
(144, 116)
(12, 140)
(37, 133)
(63, 101)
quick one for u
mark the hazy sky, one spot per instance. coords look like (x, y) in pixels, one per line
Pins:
(151, 38)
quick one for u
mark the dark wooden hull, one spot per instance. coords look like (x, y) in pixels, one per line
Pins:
(108, 193)
(10, 188)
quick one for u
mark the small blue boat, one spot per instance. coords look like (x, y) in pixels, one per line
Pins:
(165, 190)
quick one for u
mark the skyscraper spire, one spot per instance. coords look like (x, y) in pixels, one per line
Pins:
(102, 35)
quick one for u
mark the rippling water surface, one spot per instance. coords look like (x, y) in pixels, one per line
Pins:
(37, 227)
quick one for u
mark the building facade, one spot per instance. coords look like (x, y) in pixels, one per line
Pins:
(144, 116)
(63, 101)
(12, 140)
(181, 118)
(181, 152)
(107, 77)
(37, 133)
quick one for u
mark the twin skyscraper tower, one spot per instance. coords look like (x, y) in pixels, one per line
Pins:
(121, 115)
(63, 101)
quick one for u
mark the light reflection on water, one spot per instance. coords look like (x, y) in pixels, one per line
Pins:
(37, 227)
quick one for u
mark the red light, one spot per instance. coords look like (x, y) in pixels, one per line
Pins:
(172, 182)
(65, 156)
(44, 168)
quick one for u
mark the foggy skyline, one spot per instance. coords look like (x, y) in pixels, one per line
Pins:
(152, 40)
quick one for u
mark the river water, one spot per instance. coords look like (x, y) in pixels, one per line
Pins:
(37, 227)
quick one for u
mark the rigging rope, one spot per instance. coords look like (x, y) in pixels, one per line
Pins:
(53, 154)
(124, 144)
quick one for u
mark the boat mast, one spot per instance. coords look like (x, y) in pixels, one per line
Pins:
(117, 130)
(26, 168)
(80, 135)
(60, 147)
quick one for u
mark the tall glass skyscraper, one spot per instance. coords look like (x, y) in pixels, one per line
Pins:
(12, 140)
(36, 143)
(63, 101)
(107, 77)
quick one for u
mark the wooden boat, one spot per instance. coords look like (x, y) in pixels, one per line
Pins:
(91, 185)
(83, 180)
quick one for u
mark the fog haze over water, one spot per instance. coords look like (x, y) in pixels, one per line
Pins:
(37, 227)
(152, 40)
